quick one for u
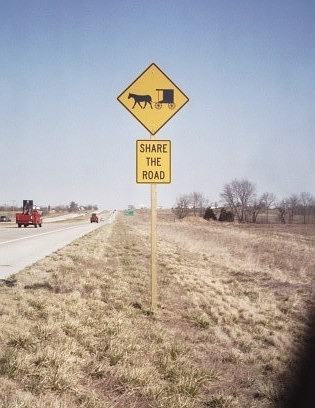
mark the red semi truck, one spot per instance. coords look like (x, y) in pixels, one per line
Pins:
(29, 216)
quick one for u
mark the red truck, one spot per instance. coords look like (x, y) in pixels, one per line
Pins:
(29, 216)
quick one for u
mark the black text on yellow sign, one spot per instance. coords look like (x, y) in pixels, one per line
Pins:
(153, 161)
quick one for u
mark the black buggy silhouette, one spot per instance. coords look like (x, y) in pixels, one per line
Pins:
(167, 98)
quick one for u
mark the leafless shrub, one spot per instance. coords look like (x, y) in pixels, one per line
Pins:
(181, 209)
(193, 203)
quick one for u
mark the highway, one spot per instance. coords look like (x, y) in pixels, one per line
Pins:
(20, 247)
(66, 217)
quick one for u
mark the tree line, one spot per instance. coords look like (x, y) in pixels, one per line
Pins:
(239, 201)
(71, 207)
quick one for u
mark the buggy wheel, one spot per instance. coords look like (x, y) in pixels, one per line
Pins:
(171, 105)
(40, 225)
(158, 105)
(19, 225)
(35, 225)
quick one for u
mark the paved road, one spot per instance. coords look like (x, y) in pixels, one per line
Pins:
(62, 217)
(20, 247)
(66, 217)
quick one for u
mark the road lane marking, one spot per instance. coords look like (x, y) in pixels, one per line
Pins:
(44, 233)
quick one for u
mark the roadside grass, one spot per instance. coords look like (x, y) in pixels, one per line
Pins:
(76, 329)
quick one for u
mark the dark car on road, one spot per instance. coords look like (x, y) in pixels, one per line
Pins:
(4, 218)
(94, 218)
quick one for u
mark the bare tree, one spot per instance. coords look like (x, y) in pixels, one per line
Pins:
(268, 200)
(306, 199)
(197, 203)
(238, 195)
(73, 207)
(282, 208)
(255, 208)
(181, 209)
(60, 208)
(312, 209)
(293, 203)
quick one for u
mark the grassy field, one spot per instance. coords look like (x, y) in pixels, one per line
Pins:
(76, 329)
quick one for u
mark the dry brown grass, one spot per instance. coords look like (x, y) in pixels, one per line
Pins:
(76, 330)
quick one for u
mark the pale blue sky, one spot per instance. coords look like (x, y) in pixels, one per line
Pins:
(248, 68)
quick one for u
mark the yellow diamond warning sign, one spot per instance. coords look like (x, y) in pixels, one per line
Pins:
(153, 99)
(153, 161)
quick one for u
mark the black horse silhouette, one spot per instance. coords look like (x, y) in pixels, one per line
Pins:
(140, 98)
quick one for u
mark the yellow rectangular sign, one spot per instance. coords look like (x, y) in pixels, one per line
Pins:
(153, 163)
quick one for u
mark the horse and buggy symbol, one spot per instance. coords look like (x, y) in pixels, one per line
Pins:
(164, 96)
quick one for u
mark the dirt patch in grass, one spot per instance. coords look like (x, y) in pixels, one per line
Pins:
(76, 329)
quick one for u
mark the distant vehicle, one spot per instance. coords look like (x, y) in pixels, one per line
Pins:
(29, 216)
(4, 218)
(94, 218)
